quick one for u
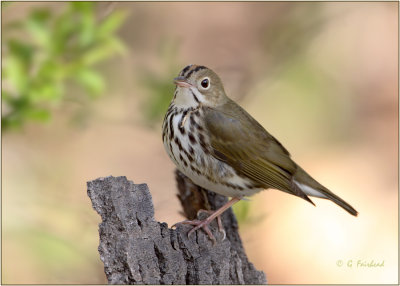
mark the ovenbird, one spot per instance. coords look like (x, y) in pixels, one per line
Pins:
(220, 147)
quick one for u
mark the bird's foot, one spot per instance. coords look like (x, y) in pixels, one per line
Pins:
(204, 224)
(219, 221)
(213, 214)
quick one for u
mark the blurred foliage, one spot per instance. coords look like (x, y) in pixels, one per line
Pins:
(241, 210)
(51, 50)
(159, 85)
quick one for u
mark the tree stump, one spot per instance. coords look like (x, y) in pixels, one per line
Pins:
(136, 249)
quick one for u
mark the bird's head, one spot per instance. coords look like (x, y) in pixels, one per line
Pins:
(198, 85)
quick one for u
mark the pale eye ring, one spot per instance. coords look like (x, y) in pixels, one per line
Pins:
(205, 83)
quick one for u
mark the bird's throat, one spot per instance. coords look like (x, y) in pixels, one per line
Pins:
(187, 97)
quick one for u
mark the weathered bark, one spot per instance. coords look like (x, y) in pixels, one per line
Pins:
(136, 249)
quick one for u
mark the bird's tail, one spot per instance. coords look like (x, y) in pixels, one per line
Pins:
(312, 188)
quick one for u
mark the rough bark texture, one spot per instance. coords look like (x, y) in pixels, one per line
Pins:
(136, 249)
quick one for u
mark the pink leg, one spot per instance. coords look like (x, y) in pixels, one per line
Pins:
(219, 220)
(204, 223)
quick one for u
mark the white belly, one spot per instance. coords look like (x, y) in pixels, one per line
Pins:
(203, 169)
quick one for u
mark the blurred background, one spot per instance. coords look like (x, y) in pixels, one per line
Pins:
(84, 89)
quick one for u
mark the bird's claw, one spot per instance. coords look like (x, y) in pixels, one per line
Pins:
(220, 227)
(198, 224)
(203, 224)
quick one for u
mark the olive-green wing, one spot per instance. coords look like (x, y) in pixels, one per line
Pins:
(239, 140)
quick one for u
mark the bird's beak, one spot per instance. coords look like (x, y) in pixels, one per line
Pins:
(181, 81)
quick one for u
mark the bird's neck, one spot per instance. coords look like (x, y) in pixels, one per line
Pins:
(187, 98)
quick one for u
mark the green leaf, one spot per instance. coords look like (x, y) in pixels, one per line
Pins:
(92, 81)
(15, 116)
(104, 50)
(64, 30)
(17, 74)
(21, 50)
(38, 114)
(40, 16)
(46, 91)
(117, 46)
(82, 6)
(48, 71)
(59, 47)
(37, 26)
(112, 23)
(8, 122)
(97, 54)
(87, 30)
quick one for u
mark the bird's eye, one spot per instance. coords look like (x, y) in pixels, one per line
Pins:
(205, 83)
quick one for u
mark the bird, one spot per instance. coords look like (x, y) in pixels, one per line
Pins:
(221, 147)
